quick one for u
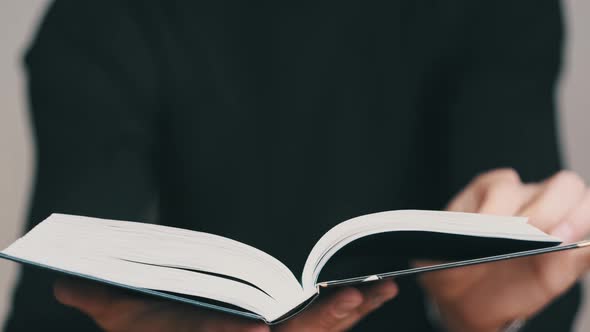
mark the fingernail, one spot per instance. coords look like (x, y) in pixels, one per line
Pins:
(564, 232)
(343, 309)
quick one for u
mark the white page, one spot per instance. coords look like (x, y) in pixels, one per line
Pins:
(470, 224)
(107, 249)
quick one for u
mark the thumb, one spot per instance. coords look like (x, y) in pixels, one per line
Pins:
(327, 314)
(343, 309)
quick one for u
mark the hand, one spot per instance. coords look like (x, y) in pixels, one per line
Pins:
(486, 297)
(114, 311)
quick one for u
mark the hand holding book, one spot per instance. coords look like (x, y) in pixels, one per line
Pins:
(116, 311)
(514, 289)
(214, 272)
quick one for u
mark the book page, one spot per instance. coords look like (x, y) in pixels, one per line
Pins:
(163, 258)
(469, 224)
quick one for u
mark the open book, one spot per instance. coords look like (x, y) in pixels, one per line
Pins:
(219, 273)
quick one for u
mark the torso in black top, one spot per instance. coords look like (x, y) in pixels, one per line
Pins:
(271, 122)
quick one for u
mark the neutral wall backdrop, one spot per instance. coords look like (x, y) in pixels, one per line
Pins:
(18, 20)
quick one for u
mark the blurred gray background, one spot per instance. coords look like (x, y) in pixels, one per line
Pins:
(18, 19)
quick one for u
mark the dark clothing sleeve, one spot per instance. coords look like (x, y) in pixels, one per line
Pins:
(504, 112)
(93, 107)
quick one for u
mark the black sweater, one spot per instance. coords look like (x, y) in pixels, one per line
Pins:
(269, 122)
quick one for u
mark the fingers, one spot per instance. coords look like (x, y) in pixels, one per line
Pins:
(576, 225)
(505, 197)
(327, 313)
(374, 297)
(520, 288)
(87, 297)
(341, 310)
(114, 311)
(109, 308)
(560, 194)
(556, 272)
(489, 188)
(558, 201)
